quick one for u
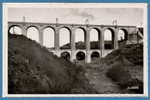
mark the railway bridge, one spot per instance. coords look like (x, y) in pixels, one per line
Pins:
(130, 33)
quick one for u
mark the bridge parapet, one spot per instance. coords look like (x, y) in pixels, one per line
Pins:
(10, 23)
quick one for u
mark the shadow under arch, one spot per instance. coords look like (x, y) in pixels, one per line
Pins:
(80, 55)
(65, 55)
(95, 54)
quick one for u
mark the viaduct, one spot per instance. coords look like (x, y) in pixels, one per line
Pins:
(130, 32)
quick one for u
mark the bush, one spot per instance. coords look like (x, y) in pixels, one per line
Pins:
(118, 74)
(123, 78)
(125, 66)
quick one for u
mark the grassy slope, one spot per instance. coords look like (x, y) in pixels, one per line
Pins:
(126, 66)
(32, 69)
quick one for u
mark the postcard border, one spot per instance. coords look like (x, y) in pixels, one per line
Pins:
(5, 49)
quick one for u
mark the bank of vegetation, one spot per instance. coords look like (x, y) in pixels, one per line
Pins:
(126, 67)
(32, 69)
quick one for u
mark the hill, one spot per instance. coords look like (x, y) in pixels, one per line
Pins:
(121, 71)
(125, 67)
(32, 69)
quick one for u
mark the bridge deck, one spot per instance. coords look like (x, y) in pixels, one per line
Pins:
(13, 22)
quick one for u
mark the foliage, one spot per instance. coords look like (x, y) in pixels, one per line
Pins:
(32, 69)
(126, 66)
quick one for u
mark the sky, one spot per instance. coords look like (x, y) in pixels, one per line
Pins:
(105, 16)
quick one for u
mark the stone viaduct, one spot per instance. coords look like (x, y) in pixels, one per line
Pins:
(72, 27)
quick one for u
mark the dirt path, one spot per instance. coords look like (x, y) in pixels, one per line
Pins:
(100, 82)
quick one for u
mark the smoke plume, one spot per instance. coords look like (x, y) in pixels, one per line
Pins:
(82, 13)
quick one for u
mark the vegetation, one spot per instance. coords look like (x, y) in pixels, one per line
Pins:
(33, 70)
(126, 67)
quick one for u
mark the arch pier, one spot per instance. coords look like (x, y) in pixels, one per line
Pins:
(130, 31)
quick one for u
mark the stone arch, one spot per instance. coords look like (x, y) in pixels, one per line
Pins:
(48, 36)
(32, 26)
(80, 38)
(122, 34)
(48, 26)
(65, 55)
(95, 38)
(94, 55)
(65, 37)
(13, 28)
(109, 38)
(33, 33)
(80, 55)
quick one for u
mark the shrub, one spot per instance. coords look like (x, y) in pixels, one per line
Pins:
(123, 78)
(118, 74)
